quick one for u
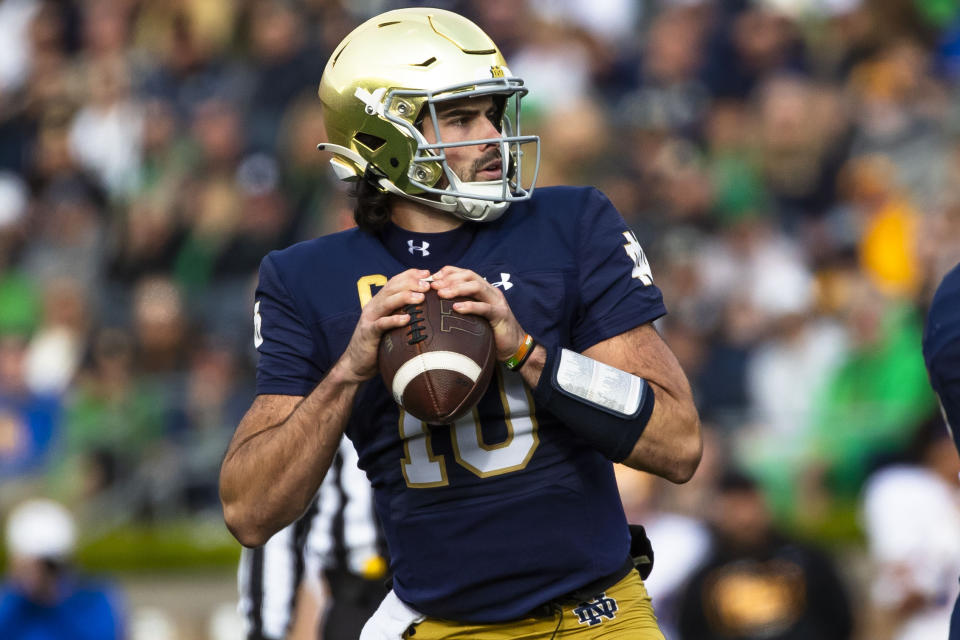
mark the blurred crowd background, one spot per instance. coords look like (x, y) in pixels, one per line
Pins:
(791, 168)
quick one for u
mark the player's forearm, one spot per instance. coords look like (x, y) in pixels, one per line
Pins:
(639, 410)
(272, 470)
(671, 445)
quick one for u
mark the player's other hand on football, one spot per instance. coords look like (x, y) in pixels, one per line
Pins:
(485, 300)
(381, 314)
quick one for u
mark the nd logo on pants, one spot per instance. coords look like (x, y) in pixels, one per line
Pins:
(622, 611)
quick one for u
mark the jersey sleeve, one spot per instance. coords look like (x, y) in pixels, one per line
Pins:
(288, 352)
(941, 349)
(944, 371)
(616, 286)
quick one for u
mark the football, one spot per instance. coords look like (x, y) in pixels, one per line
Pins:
(439, 364)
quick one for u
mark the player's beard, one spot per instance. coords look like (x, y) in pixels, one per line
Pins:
(469, 173)
(480, 163)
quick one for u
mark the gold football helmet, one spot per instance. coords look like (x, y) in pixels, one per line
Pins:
(387, 75)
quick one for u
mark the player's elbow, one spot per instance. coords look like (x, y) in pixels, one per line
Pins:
(689, 451)
(241, 514)
(242, 517)
(244, 526)
(685, 467)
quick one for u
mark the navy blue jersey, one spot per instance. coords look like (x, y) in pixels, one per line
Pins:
(506, 509)
(941, 348)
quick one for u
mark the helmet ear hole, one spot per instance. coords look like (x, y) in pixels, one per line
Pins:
(370, 141)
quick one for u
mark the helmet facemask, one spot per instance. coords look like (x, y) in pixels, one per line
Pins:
(428, 166)
(481, 200)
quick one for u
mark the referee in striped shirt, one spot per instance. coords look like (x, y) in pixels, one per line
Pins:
(336, 544)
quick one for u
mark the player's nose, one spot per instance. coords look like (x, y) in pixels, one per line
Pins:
(488, 131)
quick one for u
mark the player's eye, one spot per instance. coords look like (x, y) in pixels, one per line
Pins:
(494, 117)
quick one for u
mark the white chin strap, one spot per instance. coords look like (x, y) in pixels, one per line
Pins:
(470, 209)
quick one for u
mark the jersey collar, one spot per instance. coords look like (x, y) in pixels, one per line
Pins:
(429, 251)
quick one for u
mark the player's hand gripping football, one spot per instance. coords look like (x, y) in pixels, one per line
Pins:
(486, 300)
(359, 360)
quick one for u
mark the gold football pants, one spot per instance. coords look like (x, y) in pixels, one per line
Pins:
(622, 611)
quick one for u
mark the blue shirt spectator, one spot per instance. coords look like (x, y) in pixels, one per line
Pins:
(42, 597)
(80, 610)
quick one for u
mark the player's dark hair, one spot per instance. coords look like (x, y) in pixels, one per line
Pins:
(371, 210)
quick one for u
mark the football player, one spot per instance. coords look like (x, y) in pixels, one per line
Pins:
(941, 351)
(506, 523)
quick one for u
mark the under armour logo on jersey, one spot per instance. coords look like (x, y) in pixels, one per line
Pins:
(592, 613)
(641, 268)
(504, 282)
(413, 247)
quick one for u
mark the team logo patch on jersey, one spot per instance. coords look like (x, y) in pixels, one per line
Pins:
(413, 247)
(641, 268)
(592, 613)
(257, 324)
